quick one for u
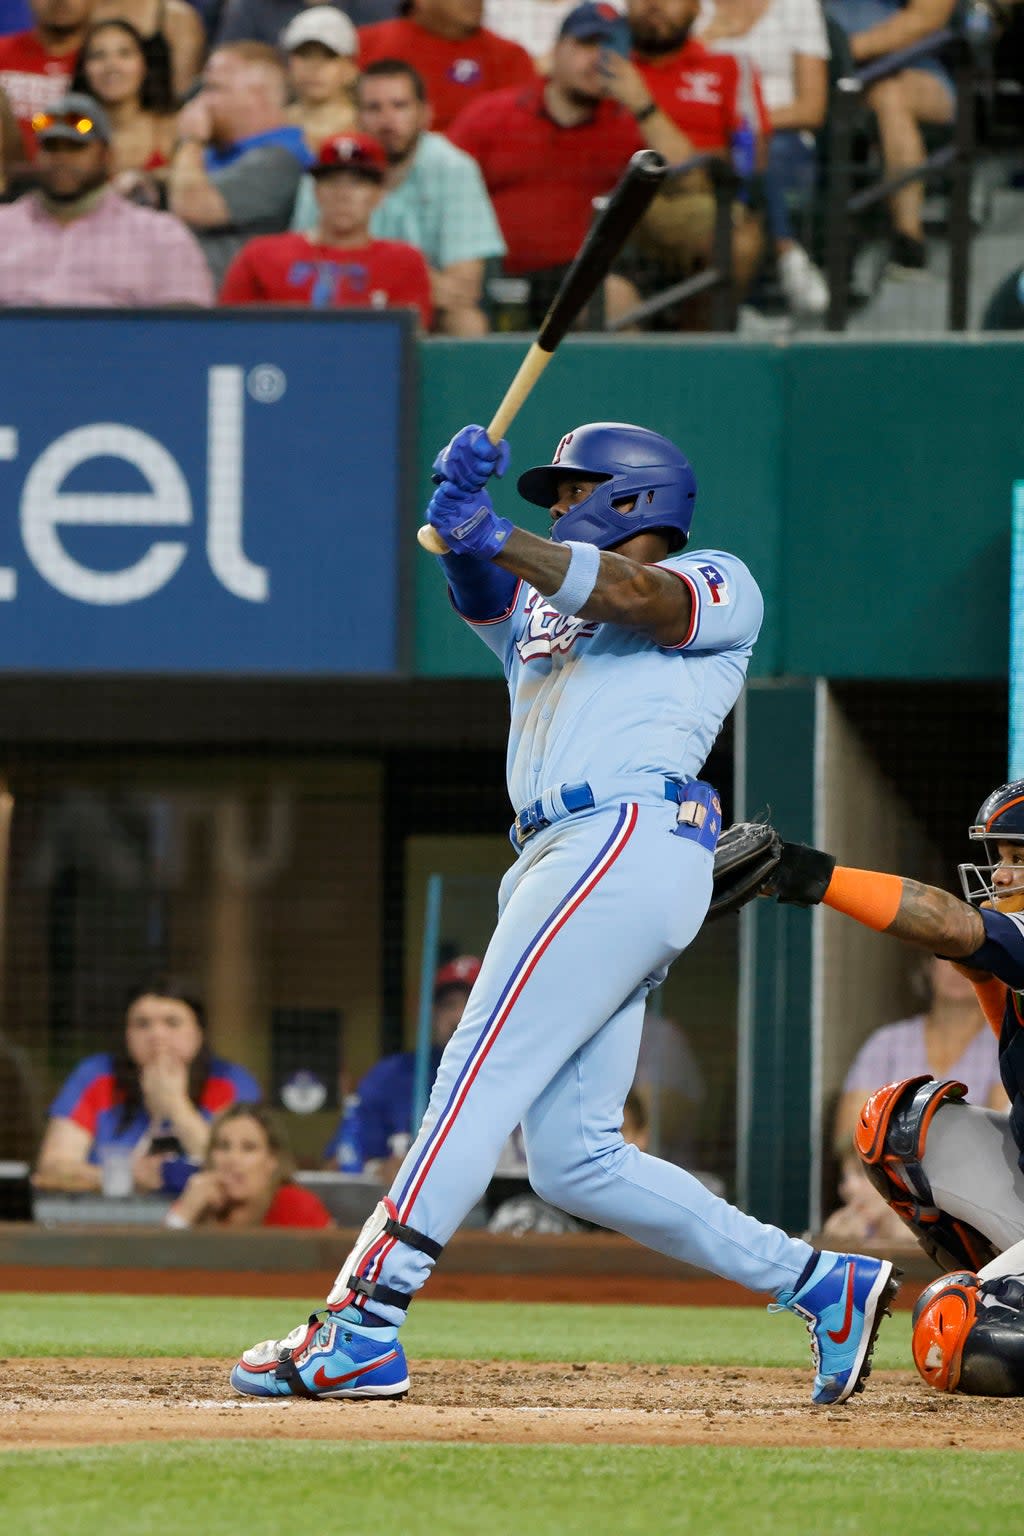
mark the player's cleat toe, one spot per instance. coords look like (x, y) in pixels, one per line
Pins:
(843, 1303)
(335, 1354)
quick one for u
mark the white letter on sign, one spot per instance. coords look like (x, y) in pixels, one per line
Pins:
(44, 509)
(224, 447)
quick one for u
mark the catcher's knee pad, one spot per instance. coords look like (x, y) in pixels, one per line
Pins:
(969, 1336)
(381, 1230)
(890, 1138)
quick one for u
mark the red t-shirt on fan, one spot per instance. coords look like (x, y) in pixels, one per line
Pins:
(293, 269)
(453, 72)
(33, 80)
(707, 95)
(542, 179)
(294, 1206)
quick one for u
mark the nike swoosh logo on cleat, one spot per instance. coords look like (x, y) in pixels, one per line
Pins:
(325, 1382)
(842, 1334)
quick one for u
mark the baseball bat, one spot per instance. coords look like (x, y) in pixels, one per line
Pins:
(606, 237)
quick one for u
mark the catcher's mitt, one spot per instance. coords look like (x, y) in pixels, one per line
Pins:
(747, 856)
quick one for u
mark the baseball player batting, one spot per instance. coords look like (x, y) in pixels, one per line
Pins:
(953, 1171)
(623, 655)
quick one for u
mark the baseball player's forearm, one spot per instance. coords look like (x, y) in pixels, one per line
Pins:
(919, 914)
(637, 596)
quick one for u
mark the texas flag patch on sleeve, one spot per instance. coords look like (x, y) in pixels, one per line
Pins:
(714, 580)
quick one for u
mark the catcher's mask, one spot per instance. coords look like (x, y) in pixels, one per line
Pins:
(1000, 820)
(633, 465)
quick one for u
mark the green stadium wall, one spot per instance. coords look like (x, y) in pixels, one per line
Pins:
(867, 485)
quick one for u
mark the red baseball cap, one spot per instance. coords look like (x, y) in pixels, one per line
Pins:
(351, 152)
(460, 972)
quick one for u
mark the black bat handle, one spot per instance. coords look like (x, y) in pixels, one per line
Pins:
(625, 208)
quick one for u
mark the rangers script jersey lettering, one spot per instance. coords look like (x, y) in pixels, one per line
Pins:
(579, 713)
(547, 631)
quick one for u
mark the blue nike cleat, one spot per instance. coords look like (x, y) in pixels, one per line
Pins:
(335, 1354)
(842, 1302)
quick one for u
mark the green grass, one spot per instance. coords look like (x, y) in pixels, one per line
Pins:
(216, 1327)
(422, 1490)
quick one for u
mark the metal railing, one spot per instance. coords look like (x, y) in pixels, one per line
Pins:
(844, 206)
(718, 279)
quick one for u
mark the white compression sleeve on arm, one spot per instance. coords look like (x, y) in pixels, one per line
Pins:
(580, 578)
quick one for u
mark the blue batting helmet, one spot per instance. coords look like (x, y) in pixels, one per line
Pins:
(633, 464)
(1000, 819)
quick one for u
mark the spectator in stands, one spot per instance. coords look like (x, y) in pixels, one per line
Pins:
(436, 199)
(321, 47)
(338, 263)
(533, 24)
(155, 1094)
(246, 1179)
(862, 1216)
(949, 1039)
(74, 241)
(785, 40)
(37, 65)
(173, 38)
(263, 21)
(238, 163)
(901, 103)
(715, 101)
(114, 70)
(548, 149)
(457, 58)
(385, 1125)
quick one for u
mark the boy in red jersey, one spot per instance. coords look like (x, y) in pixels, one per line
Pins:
(338, 263)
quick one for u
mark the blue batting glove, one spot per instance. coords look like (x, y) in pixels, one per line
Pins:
(470, 459)
(467, 521)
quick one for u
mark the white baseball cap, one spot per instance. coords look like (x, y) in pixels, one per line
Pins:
(321, 24)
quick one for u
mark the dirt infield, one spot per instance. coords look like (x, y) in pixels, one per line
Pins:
(51, 1403)
(611, 1290)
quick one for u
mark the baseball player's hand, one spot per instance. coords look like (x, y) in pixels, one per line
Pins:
(467, 521)
(470, 459)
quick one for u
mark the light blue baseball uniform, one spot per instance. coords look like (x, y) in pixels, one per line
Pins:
(598, 904)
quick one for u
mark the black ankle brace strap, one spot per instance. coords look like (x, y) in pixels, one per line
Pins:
(372, 1289)
(413, 1239)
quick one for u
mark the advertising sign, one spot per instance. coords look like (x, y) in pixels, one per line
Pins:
(192, 492)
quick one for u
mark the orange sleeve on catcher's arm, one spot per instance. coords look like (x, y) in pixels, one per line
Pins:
(991, 994)
(871, 898)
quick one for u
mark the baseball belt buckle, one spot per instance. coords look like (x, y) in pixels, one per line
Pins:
(528, 822)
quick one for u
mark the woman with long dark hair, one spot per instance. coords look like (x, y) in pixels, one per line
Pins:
(153, 1097)
(113, 68)
(173, 37)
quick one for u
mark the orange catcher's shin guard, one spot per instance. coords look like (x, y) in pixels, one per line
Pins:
(890, 1137)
